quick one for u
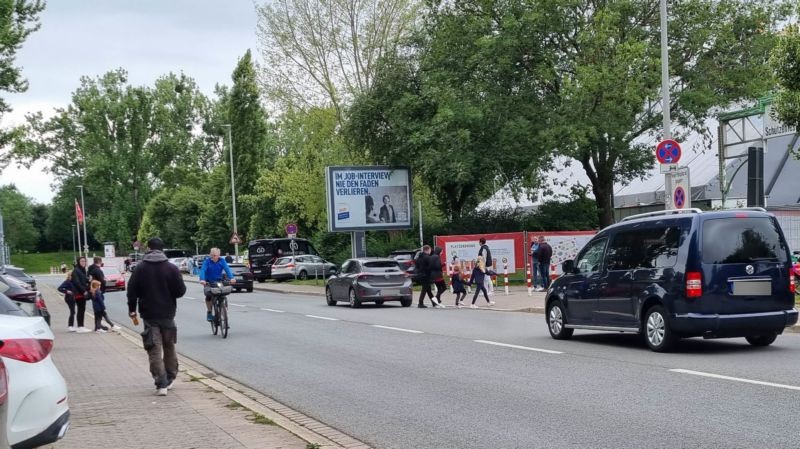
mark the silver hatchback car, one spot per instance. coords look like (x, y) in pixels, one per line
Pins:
(369, 280)
(301, 267)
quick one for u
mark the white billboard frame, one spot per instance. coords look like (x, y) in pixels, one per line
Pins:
(345, 214)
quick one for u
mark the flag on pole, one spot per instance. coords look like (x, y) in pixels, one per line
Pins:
(78, 212)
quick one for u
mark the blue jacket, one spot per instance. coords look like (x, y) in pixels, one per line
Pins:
(458, 284)
(477, 277)
(98, 301)
(65, 287)
(212, 271)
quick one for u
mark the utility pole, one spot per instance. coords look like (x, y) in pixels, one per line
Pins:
(2, 245)
(85, 238)
(233, 189)
(73, 243)
(665, 73)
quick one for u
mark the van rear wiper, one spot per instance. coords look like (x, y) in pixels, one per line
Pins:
(763, 259)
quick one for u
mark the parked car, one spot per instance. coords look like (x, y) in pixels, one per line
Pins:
(262, 254)
(302, 267)
(244, 278)
(673, 274)
(115, 278)
(406, 258)
(38, 412)
(135, 258)
(20, 274)
(369, 280)
(30, 301)
(7, 307)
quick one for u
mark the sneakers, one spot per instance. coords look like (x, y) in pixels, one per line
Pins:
(473, 306)
(71, 329)
(161, 392)
(82, 330)
(171, 385)
(422, 306)
(459, 305)
(491, 303)
(209, 317)
(116, 327)
(101, 331)
(442, 306)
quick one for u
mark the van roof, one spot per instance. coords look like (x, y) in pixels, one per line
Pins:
(691, 213)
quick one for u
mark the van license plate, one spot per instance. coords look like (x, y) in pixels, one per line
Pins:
(751, 288)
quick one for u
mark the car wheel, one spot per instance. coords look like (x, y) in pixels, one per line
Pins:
(556, 321)
(329, 297)
(302, 275)
(379, 303)
(406, 302)
(354, 301)
(761, 340)
(657, 333)
(250, 289)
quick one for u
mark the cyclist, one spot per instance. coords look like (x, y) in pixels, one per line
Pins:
(212, 270)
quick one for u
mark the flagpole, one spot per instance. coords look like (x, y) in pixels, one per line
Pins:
(85, 238)
(78, 229)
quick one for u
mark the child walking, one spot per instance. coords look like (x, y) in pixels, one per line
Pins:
(67, 289)
(99, 306)
(458, 286)
(477, 278)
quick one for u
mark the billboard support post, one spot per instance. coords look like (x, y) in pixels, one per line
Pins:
(421, 240)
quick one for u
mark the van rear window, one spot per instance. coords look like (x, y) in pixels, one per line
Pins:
(742, 240)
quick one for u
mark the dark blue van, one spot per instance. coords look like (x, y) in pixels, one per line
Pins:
(674, 274)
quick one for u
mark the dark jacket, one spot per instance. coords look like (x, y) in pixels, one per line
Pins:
(96, 274)
(387, 214)
(98, 301)
(154, 286)
(80, 281)
(422, 268)
(545, 253)
(436, 265)
(477, 276)
(458, 284)
(66, 289)
(487, 255)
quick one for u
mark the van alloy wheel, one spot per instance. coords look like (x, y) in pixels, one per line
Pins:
(657, 333)
(655, 328)
(556, 320)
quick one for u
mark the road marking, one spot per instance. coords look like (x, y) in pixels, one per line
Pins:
(527, 348)
(410, 331)
(323, 318)
(188, 297)
(273, 310)
(238, 305)
(736, 379)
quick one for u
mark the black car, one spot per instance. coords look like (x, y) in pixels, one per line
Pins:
(262, 253)
(20, 274)
(674, 274)
(30, 301)
(244, 278)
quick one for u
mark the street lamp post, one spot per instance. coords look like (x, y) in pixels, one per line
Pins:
(233, 189)
(74, 257)
(85, 239)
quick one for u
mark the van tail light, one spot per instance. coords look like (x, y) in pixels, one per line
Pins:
(29, 350)
(792, 283)
(694, 284)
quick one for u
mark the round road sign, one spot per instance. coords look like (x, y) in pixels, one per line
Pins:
(679, 197)
(291, 229)
(668, 152)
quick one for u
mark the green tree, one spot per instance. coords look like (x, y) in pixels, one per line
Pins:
(785, 61)
(18, 219)
(18, 19)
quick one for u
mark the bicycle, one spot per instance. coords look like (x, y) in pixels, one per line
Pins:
(219, 307)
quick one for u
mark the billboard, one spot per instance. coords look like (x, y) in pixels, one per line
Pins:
(368, 198)
(509, 245)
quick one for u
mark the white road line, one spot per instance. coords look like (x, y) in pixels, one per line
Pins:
(410, 331)
(238, 305)
(273, 310)
(323, 318)
(527, 348)
(188, 297)
(736, 379)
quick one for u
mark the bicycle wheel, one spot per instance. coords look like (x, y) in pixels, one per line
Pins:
(215, 319)
(223, 318)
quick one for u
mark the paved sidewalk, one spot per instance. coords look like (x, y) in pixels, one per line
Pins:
(112, 401)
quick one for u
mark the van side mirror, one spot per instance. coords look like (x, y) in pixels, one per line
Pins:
(568, 266)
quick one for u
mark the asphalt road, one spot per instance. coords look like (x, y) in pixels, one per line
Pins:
(438, 378)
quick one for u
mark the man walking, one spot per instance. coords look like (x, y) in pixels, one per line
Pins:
(96, 273)
(545, 254)
(486, 253)
(535, 263)
(422, 274)
(154, 287)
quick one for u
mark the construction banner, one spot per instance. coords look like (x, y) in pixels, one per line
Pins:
(565, 244)
(464, 248)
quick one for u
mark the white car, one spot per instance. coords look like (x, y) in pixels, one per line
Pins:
(38, 412)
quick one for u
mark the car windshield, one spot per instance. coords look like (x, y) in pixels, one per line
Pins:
(16, 272)
(381, 266)
(110, 270)
(402, 256)
(742, 240)
(238, 269)
(283, 261)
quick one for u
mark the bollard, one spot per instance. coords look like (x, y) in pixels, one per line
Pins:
(505, 277)
(530, 287)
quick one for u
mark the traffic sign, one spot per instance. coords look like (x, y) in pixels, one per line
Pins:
(235, 240)
(668, 152)
(678, 189)
(291, 228)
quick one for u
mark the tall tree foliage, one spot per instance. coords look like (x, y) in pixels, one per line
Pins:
(785, 62)
(323, 53)
(18, 219)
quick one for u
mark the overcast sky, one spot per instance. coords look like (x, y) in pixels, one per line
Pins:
(201, 38)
